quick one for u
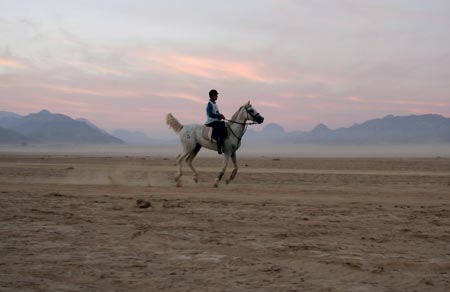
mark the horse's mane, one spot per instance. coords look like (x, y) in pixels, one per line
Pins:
(234, 117)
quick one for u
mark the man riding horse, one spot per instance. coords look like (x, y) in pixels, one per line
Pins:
(214, 120)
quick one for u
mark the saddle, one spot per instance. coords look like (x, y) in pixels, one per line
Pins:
(207, 134)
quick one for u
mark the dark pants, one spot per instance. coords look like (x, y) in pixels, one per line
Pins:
(219, 133)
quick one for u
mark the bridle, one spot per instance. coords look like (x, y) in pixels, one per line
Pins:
(245, 124)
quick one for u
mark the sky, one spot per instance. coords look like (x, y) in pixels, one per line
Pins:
(126, 64)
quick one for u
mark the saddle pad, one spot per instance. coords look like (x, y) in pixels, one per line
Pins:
(207, 133)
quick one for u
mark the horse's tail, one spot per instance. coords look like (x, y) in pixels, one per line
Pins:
(173, 123)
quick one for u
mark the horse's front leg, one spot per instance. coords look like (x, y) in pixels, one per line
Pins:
(235, 169)
(226, 158)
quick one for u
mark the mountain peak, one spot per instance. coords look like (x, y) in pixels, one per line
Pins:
(47, 127)
(44, 112)
(320, 128)
(273, 128)
(47, 116)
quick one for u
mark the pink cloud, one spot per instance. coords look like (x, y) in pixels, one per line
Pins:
(269, 104)
(180, 95)
(75, 90)
(64, 103)
(94, 92)
(127, 93)
(220, 68)
(94, 68)
(413, 103)
(354, 99)
(211, 68)
(11, 63)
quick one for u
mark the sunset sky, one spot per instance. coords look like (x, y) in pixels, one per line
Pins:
(125, 64)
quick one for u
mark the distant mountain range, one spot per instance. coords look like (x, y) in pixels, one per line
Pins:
(10, 137)
(48, 128)
(413, 129)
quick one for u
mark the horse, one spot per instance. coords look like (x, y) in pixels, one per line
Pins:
(192, 139)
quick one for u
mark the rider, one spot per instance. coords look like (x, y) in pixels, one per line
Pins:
(214, 120)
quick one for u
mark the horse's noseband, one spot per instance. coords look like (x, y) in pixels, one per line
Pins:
(257, 118)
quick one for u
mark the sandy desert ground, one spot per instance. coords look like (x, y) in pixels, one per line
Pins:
(71, 223)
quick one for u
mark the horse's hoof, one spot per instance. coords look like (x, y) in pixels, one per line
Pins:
(228, 181)
(195, 180)
(179, 185)
(216, 185)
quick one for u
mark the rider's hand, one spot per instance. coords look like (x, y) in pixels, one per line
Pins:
(222, 117)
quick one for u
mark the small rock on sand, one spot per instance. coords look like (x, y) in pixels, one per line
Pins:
(143, 204)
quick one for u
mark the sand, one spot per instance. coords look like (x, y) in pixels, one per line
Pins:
(72, 223)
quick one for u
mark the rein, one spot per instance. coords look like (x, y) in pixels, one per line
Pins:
(243, 132)
(245, 124)
(239, 123)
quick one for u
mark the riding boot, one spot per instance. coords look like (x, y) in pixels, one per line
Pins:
(220, 146)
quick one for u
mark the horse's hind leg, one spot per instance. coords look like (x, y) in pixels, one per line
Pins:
(190, 158)
(180, 159)
(187, 137)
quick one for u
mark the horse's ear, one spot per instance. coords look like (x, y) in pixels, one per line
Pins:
(248, 102)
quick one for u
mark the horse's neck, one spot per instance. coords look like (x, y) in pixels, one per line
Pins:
(241, 117)
(238, 128)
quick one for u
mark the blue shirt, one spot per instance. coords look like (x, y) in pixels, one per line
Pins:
(212, 112)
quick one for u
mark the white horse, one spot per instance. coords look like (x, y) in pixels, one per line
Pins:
(193, 139)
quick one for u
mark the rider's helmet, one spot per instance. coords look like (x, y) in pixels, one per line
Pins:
(213, 93)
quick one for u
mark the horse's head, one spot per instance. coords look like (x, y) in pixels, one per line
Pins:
(252, 114)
